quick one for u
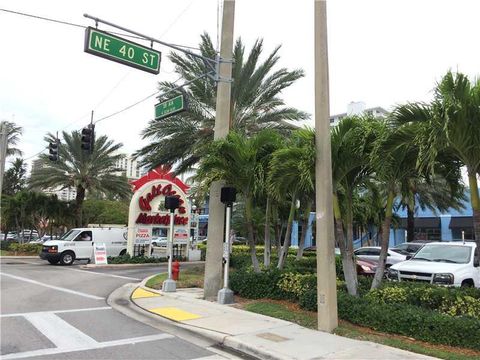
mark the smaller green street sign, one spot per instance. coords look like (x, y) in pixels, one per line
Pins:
(123, 51)
(170, 107)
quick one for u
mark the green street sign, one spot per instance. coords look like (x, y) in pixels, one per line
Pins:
(123, 51)
(170, 107)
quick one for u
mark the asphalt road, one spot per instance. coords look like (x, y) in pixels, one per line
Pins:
(58, 312)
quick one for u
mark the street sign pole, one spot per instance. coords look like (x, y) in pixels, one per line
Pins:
(170, 107)
(115, 48)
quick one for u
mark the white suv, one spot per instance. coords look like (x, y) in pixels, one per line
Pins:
(442, 263)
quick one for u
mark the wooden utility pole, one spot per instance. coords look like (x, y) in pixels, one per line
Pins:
(216, 216)
(326, 277)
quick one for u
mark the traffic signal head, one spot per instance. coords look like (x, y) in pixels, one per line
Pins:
(88, 138)
(53, 150)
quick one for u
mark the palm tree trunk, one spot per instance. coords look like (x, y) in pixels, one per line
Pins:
(78, 205)
(288, 236)
(302, 239)
(349, 241)
(251, 235)
(475, 201)
(411, 218)
(377, 280)
(348, 263)
(268, 245)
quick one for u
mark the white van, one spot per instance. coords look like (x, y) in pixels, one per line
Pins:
(77, 244)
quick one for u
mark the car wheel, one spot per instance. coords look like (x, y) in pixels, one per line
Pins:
(67, 258)
(123, 252)
(53, 262)
(467, 283)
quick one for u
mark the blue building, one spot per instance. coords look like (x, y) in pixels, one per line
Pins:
(428, 225)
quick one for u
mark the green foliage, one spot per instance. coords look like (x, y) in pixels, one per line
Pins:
(260, 285)
(105, 212)
(410, 321)
(26, 248)
(446, 300)
(256, 104)
(6, 244)
(127, 259)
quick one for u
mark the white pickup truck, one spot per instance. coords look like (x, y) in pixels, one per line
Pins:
(442, 263)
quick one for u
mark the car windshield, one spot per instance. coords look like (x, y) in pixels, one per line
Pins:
(70, 236)
(455, 254)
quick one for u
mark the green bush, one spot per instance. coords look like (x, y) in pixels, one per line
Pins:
(251, 285)
(5, 244)
(412, 321)
(34, 249)
(451, 301)
(127, 259)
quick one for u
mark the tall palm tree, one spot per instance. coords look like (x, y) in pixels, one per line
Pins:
(394, 160)
(81, 170)
(255, 104)
(437, 186)
(239, 161)
(291, 175)
(13, 137)
(455, 127)
(351, 143)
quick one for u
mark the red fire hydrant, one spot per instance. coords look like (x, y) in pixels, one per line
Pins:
(175, 270)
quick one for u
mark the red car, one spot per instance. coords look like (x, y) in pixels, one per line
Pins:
(365, 267)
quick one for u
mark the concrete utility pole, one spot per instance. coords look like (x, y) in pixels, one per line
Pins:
(216, 216)
(326, 277)
(3, 151)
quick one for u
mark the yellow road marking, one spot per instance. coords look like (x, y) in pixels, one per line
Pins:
(140, 293)
(174, 313)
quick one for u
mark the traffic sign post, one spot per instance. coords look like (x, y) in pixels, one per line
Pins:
(111, 47)
(170, 107)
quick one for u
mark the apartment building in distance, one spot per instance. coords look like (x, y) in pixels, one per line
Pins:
(358, 108)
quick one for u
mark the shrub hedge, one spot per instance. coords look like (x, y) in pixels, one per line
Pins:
(127, 259)
(26, 248)
(379, 309)
(413, 321)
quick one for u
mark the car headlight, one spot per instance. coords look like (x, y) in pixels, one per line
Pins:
(443, 278)
(392, 274)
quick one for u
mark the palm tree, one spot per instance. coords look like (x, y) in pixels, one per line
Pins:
(394, 160)
(14, 178)
(351, 143)
(255, 104)
(239, 161)
(81, 170)
(455, 127)
(437, 186)
(13, 137)
(291, 175)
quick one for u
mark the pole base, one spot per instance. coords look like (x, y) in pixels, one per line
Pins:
(169, 285)
(225, 296)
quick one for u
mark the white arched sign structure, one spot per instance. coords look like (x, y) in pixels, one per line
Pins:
(147, 208)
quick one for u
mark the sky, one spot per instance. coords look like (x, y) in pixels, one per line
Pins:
(381, 52)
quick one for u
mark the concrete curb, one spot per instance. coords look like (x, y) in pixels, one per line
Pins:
(120, 301)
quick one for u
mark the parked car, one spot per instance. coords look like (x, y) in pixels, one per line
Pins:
(159, 241)
(372, 253)
(365, 267)
(408, 248)
(442, 263)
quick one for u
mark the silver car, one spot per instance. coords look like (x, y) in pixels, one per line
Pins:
(372, 253)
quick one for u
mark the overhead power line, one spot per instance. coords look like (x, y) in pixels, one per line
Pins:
(62, 22)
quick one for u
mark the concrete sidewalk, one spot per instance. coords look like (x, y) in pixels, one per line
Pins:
(257, 335)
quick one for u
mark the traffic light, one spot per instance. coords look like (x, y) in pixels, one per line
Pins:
(53, 150)
(88, 138)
